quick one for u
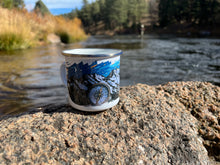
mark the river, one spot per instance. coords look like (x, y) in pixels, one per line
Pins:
(29, 79)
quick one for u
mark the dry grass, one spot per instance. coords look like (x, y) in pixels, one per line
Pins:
(69, 30)
(15, 31)
(21, 29)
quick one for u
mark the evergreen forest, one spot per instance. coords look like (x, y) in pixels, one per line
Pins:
(129, 14)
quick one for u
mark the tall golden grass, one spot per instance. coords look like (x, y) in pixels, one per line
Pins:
(22, 29)
(69, 30)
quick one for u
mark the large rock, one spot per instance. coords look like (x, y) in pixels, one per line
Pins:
(53, 38)
(170, 124)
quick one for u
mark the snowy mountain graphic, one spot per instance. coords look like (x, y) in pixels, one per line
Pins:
(94, 84)
(105, 68)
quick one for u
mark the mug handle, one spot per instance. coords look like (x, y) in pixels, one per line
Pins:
(63, 73)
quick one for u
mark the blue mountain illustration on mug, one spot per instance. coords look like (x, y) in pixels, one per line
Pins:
(104, 69)
(94, 84)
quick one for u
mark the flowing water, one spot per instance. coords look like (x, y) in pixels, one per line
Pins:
(29, 79)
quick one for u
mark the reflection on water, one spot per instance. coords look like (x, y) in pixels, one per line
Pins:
(29, 79)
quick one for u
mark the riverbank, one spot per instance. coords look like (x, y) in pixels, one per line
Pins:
(20, 29)
(181, 30)
(176, 123)
(188, 30)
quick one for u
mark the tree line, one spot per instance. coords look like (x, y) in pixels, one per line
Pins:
(113, 13)
(200, 12)
(127, 13)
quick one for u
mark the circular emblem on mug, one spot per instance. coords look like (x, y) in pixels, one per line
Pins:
(99, 94)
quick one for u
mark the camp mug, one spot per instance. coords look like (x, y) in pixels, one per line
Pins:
(92, 77)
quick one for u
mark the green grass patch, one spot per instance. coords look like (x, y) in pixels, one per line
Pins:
(11, 41)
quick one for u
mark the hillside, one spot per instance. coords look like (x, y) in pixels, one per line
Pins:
(20, 29)
(168, 16)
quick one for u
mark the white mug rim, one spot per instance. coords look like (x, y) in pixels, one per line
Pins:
(92, 52)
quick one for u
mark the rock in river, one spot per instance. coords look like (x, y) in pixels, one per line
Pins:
(176, 123)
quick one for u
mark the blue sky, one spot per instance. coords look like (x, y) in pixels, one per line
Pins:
(53, 4)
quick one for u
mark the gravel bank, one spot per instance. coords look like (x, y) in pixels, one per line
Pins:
(177, 123)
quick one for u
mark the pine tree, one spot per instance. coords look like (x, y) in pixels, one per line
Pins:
(202, 12)
(41, 8)
(118, 14)
(136, 10)
(103, 11)
(85, 14)
(95, 11)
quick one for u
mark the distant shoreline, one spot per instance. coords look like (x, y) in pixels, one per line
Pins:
(175, 29)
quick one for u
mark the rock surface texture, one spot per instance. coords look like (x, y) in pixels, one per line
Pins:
(176, 123)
